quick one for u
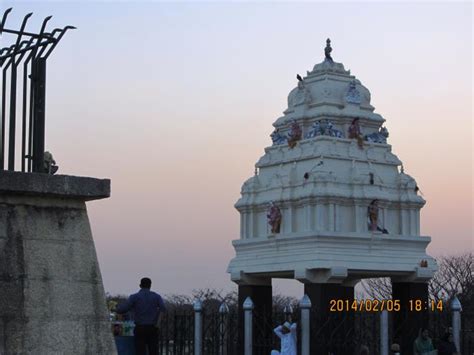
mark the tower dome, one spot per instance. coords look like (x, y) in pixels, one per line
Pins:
(329, 206)
(330, 91)
(328, 202)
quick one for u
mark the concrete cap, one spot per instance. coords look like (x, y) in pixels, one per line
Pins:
(456, 305)
(248, 304)
(64, 186)
(197, 305)
(305, 302)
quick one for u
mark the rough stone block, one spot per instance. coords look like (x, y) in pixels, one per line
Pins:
(52, 300)
(77, 260)
(64, 299)
(33, 222)
(13, 335)
(3, 221)
(11, 297)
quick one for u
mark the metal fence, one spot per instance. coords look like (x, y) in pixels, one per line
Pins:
(441, 322)
(23, 70)
(176, 333)
(203, 332)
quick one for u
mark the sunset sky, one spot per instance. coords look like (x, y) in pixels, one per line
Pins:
(174, 102)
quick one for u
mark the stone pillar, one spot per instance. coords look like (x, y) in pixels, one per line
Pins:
(407, 322)
(337, 218)
(248, 326)
(250, 226)
(197, 327)
(331, 217)
(261, 296)
(51, 293)
(319, 220)
(358, 219)
(305, 323)
(456, 322)
(321, 295)
(308, 220)
(413, 222)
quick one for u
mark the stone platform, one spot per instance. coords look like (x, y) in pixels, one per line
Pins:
(51, 293)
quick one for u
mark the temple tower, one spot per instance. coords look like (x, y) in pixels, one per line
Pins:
(330, 204)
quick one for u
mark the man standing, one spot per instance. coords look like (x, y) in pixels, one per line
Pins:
(146, 306)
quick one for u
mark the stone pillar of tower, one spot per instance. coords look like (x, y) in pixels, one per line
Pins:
(413, 315)
(323, 296)
(261, 296)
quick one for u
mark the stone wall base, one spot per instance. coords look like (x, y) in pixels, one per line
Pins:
(52, 299)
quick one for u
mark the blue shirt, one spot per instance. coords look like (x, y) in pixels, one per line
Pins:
(146, 306)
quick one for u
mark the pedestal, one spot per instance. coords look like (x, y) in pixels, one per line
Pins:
(261, 296)
(324, 322)
(407, 322)
(51, 293)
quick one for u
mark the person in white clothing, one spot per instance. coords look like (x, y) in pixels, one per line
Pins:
(287, 335)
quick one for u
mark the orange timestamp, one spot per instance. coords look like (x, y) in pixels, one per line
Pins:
(389, 305)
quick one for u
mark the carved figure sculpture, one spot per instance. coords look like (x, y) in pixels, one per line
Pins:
(354, 132)
(331, 131)
(328, 50)
(277, 137)
(315, 130)
(324, 127)
(295, 134)
(49, 164)
(373, 216)
(274, 217)
(378, 137)
(328, 128)
(353, 95)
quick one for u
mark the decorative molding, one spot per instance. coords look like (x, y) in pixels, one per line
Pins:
(334, 257)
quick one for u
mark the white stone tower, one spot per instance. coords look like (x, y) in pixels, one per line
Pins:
(329, 161)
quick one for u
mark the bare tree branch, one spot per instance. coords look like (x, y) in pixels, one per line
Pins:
(455, 277)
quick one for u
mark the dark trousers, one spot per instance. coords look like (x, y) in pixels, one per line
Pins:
(146, 336)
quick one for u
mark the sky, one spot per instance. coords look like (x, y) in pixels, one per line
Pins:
(174, 102)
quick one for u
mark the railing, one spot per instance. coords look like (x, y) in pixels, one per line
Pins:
(176, 333)
(23, 65)
(201, 332)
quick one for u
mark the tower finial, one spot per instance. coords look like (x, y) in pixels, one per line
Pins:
(328, 50)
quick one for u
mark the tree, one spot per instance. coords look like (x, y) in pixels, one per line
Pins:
(455, 277)
(280, 302)
(211, 300)
(379, 289)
